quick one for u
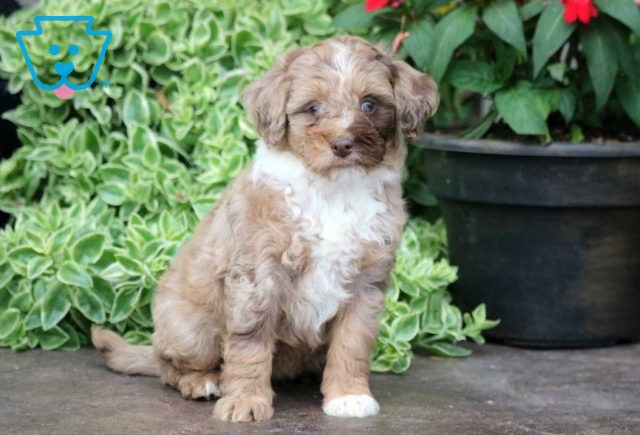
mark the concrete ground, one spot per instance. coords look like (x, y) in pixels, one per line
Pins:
(498, 390)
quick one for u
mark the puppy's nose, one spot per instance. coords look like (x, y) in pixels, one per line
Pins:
(341, 147)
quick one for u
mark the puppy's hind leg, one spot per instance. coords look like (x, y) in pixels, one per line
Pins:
(187, 344)
(192, 384)
(124, 358)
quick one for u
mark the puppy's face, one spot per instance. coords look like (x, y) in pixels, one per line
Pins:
(340, 103)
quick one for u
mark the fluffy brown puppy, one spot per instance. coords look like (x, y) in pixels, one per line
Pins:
(288, 272)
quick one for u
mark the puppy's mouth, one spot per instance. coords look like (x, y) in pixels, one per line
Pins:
(356, 153)
(353, 159)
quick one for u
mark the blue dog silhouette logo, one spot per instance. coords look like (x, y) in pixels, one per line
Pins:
(90, 41)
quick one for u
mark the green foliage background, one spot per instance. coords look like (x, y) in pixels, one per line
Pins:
(510, 68)
(108, 185)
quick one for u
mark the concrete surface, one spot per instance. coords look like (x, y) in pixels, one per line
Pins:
(498, 390)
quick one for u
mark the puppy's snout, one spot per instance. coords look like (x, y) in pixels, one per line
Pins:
(341, 147)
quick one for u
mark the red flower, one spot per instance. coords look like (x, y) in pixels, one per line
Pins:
(372, 5)
(583, 10)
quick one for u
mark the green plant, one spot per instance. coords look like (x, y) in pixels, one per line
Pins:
(508, 67)
(419, 312)
(108, 185)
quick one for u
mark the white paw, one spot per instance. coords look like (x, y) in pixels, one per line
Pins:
(361, 405)
(212, 389)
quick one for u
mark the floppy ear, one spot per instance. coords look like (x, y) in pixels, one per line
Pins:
(265, 100)
(416, 96)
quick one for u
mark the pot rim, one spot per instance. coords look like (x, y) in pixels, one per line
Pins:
(501, 147)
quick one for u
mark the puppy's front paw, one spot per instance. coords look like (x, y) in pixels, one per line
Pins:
(243, 408)
(361, 405)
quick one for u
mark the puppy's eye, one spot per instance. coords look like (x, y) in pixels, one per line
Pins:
(313, 110)
(368, 105)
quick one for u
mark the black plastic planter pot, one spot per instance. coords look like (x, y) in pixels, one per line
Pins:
(547, 237)
(8, 134)
(9, 142)
(9, 139)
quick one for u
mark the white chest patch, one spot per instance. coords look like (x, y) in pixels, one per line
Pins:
(338, 214)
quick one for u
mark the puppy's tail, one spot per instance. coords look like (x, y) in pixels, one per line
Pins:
(123, 357)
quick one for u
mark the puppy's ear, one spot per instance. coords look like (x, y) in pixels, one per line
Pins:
(416, 96)
(265, 100)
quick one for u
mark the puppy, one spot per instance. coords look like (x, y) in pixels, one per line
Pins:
(287, 274)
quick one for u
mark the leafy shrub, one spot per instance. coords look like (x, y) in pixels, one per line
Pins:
(419, 312)
(108, 185)
(523, 67)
